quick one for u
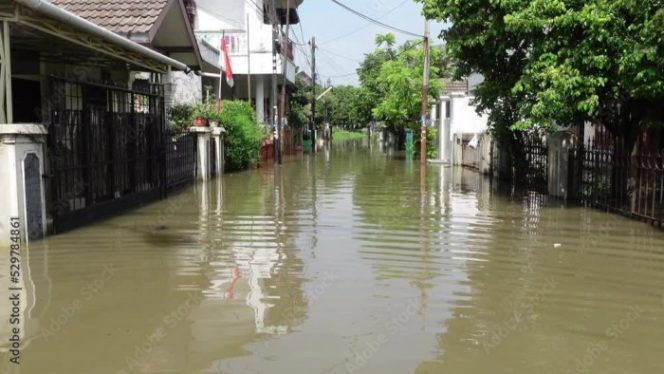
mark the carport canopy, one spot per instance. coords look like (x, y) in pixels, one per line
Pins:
(47, 33)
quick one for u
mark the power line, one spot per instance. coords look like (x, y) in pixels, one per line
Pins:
(339, 55)
(301, 31)
(333, 64)
(339, 76)
(258, 9)
(375, 21)
(364, 26)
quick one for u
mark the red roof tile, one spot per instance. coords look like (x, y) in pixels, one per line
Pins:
(120, 16)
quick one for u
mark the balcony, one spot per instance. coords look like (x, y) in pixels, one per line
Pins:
(236, 42)
(261, 53)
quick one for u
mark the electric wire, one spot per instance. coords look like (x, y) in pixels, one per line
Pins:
(375, 21)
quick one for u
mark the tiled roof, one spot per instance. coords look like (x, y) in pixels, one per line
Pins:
(450, 86)
(119, 16)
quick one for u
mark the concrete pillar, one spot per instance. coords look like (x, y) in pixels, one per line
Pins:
(218, 138)
(204, 136)
(444, 139)
(260, 97)
(457, 149)
(486, 142)
(22, 194)
(167, 81)
(559, 145)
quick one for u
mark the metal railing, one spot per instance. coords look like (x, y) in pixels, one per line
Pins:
(615, 180)
(180, 156)
(536, 155)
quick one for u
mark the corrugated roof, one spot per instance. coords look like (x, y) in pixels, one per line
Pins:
(119, 16)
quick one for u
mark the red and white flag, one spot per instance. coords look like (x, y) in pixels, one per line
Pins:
(226, 62)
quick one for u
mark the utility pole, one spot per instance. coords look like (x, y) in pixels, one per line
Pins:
(284, 65)
(425, 96)
(312, 124)
(248, 62)
(221, 72)
(273, 99)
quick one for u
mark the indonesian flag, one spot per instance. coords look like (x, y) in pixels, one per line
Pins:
(226, 62)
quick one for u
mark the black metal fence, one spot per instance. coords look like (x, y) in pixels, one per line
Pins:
(613, 179)
(536, 155)
(181, 152)
(109, 150)
(604, 175)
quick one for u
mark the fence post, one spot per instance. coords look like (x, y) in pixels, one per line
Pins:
(21, 170)
(203, 137)
(218, 136)
(559, 147)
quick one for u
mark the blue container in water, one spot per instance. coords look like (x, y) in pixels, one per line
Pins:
(410, 148)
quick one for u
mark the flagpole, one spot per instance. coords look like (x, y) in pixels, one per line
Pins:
(221, 71)
(248, 62)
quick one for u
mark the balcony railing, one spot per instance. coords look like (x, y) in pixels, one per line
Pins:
(236, 42)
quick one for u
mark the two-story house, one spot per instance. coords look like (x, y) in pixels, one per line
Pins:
(246, 26)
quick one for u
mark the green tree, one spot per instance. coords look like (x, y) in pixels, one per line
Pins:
(400, 81)
(391, 82)
(299, 106)
(479, 42)
(599, 61)
(559, 62)
(346, 108)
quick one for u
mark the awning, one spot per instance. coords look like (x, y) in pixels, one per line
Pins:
(37, 25)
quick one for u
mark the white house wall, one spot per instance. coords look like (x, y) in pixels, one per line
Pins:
(231, 14)
(230, 17)
(463, 119)
(185, 89)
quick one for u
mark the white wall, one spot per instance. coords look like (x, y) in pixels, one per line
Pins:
(462, 119)
(230, 13)
(230, 17)
(185, 89)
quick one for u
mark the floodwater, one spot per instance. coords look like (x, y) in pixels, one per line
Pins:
(352, 262)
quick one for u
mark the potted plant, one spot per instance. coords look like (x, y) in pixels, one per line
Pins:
(214, 116)
(200, 116)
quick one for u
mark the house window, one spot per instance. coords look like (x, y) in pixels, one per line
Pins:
(448, 109)
(232, 43)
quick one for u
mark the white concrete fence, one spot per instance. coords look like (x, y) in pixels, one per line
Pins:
(22, 190)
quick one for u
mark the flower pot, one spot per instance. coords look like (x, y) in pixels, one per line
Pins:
(214, 123)
(200, 122)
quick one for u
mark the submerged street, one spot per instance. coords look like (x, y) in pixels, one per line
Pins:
(347, 262)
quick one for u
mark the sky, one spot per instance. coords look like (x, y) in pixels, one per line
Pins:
(345, 38)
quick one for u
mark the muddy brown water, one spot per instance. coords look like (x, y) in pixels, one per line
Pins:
(346, 263)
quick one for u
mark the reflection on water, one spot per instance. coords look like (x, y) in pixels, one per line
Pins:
(350, 262)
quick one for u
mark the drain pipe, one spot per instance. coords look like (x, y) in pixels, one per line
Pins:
(69, 18)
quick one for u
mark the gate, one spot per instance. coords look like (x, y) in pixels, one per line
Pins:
(536, 156)
(613, 179)
(106, 149)
(181, 151)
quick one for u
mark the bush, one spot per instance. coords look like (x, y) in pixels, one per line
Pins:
(243, 134)
(181, 116)
(432, 150)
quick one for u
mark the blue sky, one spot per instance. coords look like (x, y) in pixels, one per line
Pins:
(345, 38)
